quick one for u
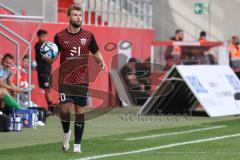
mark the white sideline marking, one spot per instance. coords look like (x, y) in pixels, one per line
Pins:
(160, 147)
(175, 133)
(228, 153)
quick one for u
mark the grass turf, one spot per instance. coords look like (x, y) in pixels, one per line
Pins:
(106, 135)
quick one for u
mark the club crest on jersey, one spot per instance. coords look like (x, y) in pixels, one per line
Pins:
(83, 41)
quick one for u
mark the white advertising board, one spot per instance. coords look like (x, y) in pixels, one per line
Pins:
(214, 87)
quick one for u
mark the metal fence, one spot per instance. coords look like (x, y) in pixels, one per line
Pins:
(15, 38)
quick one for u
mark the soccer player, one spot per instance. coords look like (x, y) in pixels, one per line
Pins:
(74, 44)
(43, 69)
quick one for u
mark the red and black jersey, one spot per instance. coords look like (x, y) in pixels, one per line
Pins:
(74, 51)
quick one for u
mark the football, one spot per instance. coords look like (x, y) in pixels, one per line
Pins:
(49, 49)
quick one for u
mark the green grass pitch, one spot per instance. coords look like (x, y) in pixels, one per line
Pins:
(106, 135)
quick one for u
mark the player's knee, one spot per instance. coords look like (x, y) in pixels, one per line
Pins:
(64, 113)
(79, 110)
(64, 116)
(3, 92)
(65, 108)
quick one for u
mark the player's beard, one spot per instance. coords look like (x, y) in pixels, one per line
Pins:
(75, 24)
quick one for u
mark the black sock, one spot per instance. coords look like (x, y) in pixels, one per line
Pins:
(65, 126)
(65, 120)
(78, 128)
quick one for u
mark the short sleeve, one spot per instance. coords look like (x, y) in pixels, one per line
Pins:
(56, 41)
(93, 47)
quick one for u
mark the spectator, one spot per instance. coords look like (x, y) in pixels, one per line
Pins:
(175, 50)
(25, 63)
(202, 37)
(169, 63)
(23, 83)
(136, 89)
(128, 72)
(6, 84)
(23, 76)
(208, 57)
(44, 69)
(6, 74)
(234, 53)
(179, 35)
(234, 48)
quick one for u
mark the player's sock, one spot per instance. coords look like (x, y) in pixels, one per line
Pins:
(78, 128)
(10, 102)
(65, 126)
(65, 120)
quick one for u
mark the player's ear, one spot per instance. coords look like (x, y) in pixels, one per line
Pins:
(68, 18)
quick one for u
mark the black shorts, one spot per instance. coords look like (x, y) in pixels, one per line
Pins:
(77, 94)
(44, 80)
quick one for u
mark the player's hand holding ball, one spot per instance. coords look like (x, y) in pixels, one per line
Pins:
(49, 51)
(47, 58)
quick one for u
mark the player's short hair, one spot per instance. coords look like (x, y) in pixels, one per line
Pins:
(25, 57)
(203, 34)
(73, 7)
(41, 32)
(178, 31)
(7, 55)
(132, 60)
(235, 37)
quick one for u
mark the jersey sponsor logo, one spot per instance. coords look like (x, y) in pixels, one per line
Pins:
(75, 51)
